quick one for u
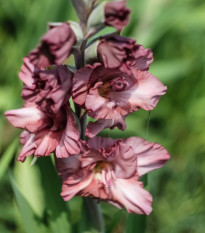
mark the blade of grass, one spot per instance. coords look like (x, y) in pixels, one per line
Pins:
(31, 223)
(7, 157)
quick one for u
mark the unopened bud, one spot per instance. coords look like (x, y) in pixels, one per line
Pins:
(96, 19)
(114, 14)
(91, 53)
(77, 31)
(83, 8)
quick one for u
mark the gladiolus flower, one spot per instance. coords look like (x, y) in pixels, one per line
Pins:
(116, 14)
(44, 133)
(49, 89)
(110, 170)
(55, 47)
(117, 51)
(112, 94)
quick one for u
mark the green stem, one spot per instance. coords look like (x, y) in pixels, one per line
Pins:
(95, 214)
(91, 206)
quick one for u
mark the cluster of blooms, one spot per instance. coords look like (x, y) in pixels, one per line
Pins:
(114, 82)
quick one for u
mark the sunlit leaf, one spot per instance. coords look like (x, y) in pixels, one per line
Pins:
(56, 209)
(7, 157)
(30, 221)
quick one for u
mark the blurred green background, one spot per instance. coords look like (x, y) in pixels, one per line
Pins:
(175, 31)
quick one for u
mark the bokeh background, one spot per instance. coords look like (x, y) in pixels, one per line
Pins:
(175, 31)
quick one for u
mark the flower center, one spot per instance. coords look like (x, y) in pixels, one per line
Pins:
(104, 172)
(119, 84)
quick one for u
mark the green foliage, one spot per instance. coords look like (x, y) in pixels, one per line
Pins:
(30, 221)
(175, 31)
(7, 157)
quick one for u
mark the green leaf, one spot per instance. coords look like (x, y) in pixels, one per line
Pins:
(7, 157)
(28, 178)
(91, 219)
(114, 222)
(56, 208)
(136, 223)
(31, 223)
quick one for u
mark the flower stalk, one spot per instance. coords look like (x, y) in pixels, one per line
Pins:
(92, 205)
(113, 82)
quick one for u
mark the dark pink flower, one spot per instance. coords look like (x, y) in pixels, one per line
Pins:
(116, 14)
(55, 47)
(44, 133)
(47, 88)
(117, 51)
(111, 94)
(110, 170)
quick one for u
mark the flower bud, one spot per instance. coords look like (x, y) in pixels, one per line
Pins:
(83, 8)
(91, 53)
(56, 45)
(113, 14)
(77, 31)
(96, 19)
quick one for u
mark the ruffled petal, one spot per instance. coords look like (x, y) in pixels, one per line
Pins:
(104, 108)
(74, 184)
(90, 157)
(116, 14)
(27, 71)
(150, 156)
(29, 118)
(46, 142)
(80, 83)
(130, 194)
(70, 140)
(29, 147)
(145, 93)
(68, 165)
(96, 127)
(124, 160)
(141, 58)
(100, 142)
(55, 46)
(58, 83)
(113, 50)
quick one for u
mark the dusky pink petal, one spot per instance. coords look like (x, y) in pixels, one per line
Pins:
(67, 165)
(75, 183)
(46, 142)
(70, 140)
(96, 127)
(142, 58)
(116, 14)
(100, 142)
(29, 145)
(61, 86)
(29, 118)
(80, 83)
(41, 57)
(150, 156)
(104, 108)
(27, 71)
(90, 157)
(130, 194)
(124, 160)
(55, 46)
(113, 50)
(145, 93)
